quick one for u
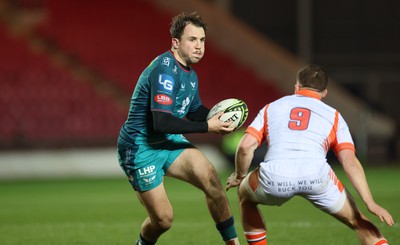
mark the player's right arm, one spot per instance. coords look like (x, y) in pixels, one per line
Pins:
(168, 124)
(163, 92)
(250, 141)
(356, 175)
(217, 126)
(244, 155)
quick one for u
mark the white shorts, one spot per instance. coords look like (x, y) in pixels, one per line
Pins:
(322, 188)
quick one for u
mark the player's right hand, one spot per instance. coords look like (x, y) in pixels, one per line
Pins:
(217, 126)
(233, 181)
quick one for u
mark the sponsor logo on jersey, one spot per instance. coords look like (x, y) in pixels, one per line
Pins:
(185, 103)
(163, 99)
(193, 84)
(166, 82)
(166, 61)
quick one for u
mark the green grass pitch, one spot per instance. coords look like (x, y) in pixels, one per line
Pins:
(106, 211)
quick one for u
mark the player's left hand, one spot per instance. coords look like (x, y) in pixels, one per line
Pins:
(233, 181)
(382, 214)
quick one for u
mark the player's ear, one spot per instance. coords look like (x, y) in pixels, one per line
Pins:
(324, 93)
(175, 43)
(296, 87)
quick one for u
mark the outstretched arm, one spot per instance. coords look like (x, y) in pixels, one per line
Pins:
(356, 175)
(244, 155)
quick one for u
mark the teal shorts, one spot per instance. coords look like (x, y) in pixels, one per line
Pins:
(146, 164)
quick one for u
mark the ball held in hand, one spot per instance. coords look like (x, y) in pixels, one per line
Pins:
(235, 110)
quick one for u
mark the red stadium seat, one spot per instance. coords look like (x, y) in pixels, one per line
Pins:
(45, 104)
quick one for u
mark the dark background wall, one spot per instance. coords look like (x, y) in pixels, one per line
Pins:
(357, 41)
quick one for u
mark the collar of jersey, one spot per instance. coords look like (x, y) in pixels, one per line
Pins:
(309, 93)
(182, 66)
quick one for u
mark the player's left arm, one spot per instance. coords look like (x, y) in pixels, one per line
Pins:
(356, 175)
(345, 151)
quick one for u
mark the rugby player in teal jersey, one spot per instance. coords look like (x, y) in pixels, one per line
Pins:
(166, 104)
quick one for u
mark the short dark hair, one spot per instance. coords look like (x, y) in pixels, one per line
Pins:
(180, 21)
(313, 76)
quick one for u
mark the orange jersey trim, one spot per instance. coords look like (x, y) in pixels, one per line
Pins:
(336, 180)
(332, 140)
(256, 134)
(309, 93)
(344, 146)
(263, 132)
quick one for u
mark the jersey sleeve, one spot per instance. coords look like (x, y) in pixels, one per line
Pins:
(258, 128)
(163, 90)
(344, 140)
(196, 102)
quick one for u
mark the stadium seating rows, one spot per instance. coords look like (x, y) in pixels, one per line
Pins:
(45, 103)
(121, 45)
(117, 38)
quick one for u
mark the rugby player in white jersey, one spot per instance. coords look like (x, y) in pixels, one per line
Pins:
(299, 130)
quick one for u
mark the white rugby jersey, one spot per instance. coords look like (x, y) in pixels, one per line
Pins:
(300, 126)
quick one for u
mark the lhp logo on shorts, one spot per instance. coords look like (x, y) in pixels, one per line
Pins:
(147, 174)
(149, 180)
(146, 171)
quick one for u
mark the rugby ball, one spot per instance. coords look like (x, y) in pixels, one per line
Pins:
(235, 110)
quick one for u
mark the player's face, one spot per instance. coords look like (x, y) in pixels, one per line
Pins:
(191, 47)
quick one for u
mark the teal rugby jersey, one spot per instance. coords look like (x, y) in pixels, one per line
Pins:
(163, 86)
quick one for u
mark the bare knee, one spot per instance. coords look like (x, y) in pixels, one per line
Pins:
(162, 220)
(163, 223)
(210, 183)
